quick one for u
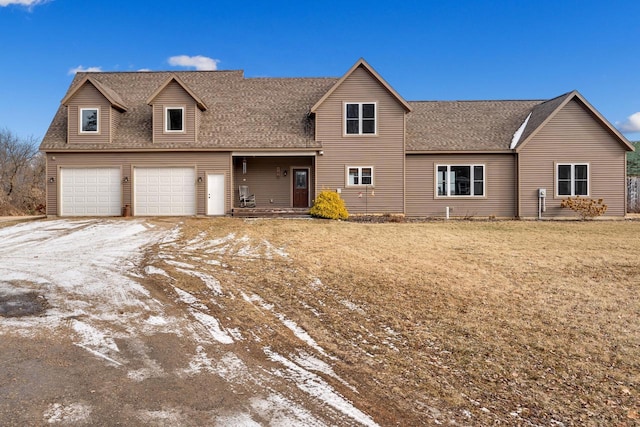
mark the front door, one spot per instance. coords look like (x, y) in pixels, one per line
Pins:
(301, 188)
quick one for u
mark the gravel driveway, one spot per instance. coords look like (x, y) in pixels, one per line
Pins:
(100, 327)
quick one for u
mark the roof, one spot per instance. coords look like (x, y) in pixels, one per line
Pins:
(241, 113)
(465, 125)
(111, 96)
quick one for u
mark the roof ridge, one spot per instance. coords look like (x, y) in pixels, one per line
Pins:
(83, 73)
(482, 100)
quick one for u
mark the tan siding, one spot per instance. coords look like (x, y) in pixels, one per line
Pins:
(499, 200)
(384, 152)
(270, 190)
(204, 163)
(87, 97)
(572, 136)
(174, 96)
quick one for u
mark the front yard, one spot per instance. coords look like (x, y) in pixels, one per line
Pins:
(320, 322)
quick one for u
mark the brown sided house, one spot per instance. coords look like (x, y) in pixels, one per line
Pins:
(182, 143)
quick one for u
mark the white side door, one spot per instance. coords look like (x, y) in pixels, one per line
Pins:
(215, 194)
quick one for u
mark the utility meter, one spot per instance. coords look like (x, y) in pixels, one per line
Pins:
(542, 192)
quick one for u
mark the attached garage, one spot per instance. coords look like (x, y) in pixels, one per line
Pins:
(90, 192)
(164, 191)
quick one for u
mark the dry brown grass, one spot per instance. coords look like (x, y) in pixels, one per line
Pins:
(476, 322)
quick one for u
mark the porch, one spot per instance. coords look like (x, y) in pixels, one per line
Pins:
(282, 184)
(271, 212)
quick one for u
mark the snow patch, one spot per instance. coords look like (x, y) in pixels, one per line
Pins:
(519, 132)
(315, 386)
(212, 325)
(71, 413)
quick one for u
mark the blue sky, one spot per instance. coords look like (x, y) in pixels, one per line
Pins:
(427, 50)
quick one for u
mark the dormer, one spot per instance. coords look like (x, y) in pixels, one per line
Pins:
(176, 112)
(93, 110)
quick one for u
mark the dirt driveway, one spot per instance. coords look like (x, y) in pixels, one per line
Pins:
(126, 322)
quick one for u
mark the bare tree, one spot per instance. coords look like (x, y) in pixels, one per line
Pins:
(22, 174)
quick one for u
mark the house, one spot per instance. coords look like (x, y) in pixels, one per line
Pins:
(181, 143)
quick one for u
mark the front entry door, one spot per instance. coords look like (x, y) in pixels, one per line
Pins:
(301, 188)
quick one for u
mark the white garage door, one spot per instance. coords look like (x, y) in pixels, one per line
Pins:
(164, 191)
(90, 192)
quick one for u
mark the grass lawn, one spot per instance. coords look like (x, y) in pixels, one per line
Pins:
(475, 322)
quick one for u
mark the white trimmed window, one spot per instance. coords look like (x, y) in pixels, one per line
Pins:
(359, 175)
(174, 119)
(360, 118)
(89, 120)
(572, 179)
(460, 180)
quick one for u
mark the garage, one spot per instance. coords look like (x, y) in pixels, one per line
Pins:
(166, 191)
(90, 192)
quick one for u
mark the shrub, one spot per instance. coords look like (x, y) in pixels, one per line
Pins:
(328, 204)
(587, 208)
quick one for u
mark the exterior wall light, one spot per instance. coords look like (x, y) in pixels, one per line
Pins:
(199, 180)
(52, 180)
(125, 179)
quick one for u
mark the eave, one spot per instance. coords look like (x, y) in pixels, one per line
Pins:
(109, 94)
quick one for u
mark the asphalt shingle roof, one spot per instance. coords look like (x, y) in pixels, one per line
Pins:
(267, 113)
(465, 125)
(273, 113)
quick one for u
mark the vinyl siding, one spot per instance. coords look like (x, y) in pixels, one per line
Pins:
(384, 151)
(270, 190)
(88, 97)
(204, 162)
(499, 199)
(573, 135)
(174, 96)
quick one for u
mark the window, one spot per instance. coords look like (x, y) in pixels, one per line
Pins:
(360, 175)
(360, 118)
(460, 180)
(89, 122)
(174, 119)
(573, 179)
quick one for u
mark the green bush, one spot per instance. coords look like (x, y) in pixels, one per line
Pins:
(328, 204)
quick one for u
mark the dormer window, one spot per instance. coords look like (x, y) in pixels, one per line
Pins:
(89, 120)
(360, 118)
(174, 119)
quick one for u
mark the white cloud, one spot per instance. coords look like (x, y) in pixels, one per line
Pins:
(201, 63)
(632, 124)
(144, 70)
(81, 69)
(27, 3)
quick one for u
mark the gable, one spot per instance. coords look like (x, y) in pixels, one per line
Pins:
(563, 109)
(357, 68)
(573, 125)
(172, 84)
